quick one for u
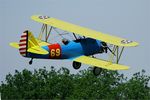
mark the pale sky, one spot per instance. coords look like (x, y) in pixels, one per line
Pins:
(124, 18)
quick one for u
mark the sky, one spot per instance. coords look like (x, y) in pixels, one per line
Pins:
(123, 18)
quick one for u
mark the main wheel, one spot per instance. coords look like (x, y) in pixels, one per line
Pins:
(97, 71)
(76, 65)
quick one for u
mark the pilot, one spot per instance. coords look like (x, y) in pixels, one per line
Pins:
(65, 41)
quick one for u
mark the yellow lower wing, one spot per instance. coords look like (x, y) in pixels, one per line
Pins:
(100, 63)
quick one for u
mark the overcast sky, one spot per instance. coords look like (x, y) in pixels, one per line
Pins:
(124, 18)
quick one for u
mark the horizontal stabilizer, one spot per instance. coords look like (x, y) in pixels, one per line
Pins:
(100, 63)
(37, 50)
(14, 45)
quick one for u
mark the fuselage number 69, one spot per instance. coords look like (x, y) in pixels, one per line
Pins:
(55, 52)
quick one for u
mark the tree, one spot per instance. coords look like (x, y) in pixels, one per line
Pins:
(137, 86)
(61, 84)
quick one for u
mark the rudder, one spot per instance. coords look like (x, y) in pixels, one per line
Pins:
(27, 41)
(23, 44)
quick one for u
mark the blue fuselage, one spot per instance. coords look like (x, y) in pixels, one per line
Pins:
(71, 50)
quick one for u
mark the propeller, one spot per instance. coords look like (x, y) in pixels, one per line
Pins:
(106, 48)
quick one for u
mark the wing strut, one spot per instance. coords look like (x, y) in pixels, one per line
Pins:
(42, 31)
(45, 30)
(117, 53)
(75, 36)
(48, 34)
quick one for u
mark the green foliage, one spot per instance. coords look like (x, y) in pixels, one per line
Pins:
(43, 84)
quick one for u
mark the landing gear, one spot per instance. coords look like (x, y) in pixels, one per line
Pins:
(97, 71)
(31, 61)
(76, 65)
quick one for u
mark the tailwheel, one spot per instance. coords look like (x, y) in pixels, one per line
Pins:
(31, 61)
(76, 65)
(97, 71)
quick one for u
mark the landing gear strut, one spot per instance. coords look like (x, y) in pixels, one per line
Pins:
(76, 65)
(97, 71)
(31, 61)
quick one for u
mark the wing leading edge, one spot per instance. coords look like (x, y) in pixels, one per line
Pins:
(83, 31)
(100, 63)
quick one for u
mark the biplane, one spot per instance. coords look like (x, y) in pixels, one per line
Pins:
(81, 49)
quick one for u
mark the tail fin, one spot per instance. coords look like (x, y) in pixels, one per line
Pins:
(28, 43)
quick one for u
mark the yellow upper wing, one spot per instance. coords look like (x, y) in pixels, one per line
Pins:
(100, 63)
(84, 31)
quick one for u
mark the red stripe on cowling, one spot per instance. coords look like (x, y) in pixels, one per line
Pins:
(22, 44)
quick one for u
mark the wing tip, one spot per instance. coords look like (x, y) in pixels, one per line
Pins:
(34, 17)
(128, 43)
